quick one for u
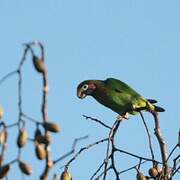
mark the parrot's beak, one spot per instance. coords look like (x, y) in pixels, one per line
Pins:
(81, 95)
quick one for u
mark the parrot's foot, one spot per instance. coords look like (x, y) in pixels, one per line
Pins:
(122, 117)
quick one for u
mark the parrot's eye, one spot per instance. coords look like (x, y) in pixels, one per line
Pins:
(85, 87)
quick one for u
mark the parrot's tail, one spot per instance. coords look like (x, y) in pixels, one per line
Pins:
(152, 101)
(159, 109)
(150, 105)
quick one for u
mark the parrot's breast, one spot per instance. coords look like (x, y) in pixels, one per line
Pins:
(112, 100)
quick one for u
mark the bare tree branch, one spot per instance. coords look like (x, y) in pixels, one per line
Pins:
(83, 149)
(98, 121)
(71, 151)
(162, 144)
(136, 156)
(7, 76)
(149, 136)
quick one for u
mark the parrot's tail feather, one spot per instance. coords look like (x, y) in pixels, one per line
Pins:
(159, 109)
(152, 101)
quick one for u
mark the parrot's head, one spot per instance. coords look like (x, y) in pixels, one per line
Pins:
(85, 88)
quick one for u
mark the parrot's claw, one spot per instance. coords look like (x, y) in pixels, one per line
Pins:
(122, 117)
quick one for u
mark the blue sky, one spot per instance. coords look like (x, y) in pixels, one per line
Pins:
(134, 40)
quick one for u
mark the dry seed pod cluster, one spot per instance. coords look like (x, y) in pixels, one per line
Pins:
(25, 168)
(38, 64)
(42, 139)
(153, 172)
(22, 138)
(52, 127)
(66, 175)
(159, 169)
(4, 170)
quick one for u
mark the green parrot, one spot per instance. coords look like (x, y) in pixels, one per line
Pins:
(116, 95)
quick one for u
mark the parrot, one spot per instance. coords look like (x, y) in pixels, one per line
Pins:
(117, 96)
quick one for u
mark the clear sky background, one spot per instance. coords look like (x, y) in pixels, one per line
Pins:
(136, 41)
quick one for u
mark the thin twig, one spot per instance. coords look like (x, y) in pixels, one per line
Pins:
(12, 125)
(107, 169)
(136, 156)
(111, 135)
(98, 121)
(177, 170)
(71, 151)
(133, 167)
(7, 76)
(175, 162)
(83, 149)
(149, 136)
(30, 118)
(113, 150)
(162, 144)
(175, 147)
(139, 165)
(77, 140)
(99, 168)
(172, 151)
(20, 92)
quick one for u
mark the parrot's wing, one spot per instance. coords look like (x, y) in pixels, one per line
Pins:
(131, 96)
(121, 87)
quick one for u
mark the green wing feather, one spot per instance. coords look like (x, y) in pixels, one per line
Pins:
(134, 99)
(120, 86)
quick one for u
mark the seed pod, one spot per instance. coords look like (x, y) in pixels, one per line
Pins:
(4, 170)
(25, 168)
(66, 175)
(140, 176)
(1, 112)
(40, 151)
(22, 138)
(153, 172)
(44, 139)
(38, 64)
(3, 137)
(159, 169)
(49, 126)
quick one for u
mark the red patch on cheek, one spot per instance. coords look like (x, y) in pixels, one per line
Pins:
(91, 86)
